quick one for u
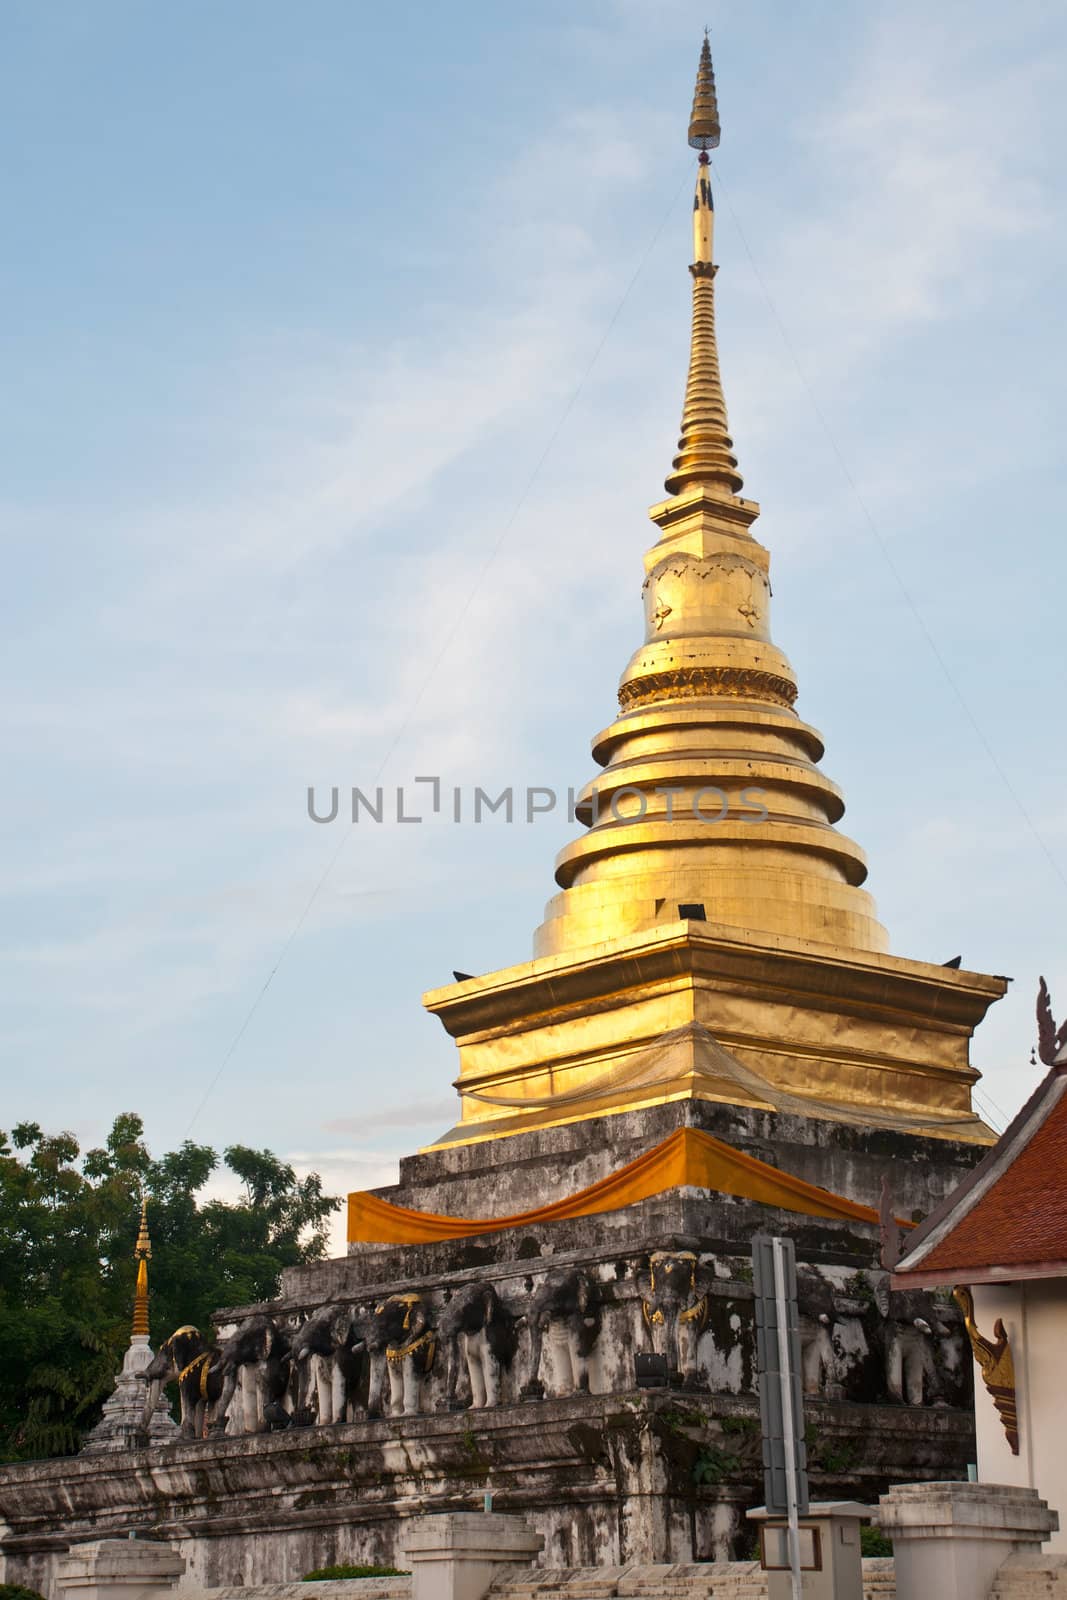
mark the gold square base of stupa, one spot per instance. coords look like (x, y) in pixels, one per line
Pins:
(683, 1012)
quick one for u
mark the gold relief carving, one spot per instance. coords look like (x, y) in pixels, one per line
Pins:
(750, 614)
(994, 1357)
(203, 1362)
(687, 683)
(660, 615)
(426, 1341)
(697, 1314)
(702, 567)
(409, 1301)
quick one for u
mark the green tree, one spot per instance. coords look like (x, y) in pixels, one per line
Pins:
(67, 1226)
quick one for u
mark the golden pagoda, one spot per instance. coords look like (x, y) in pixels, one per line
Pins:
(711, 938)
(124, 1424)
(142, 1254)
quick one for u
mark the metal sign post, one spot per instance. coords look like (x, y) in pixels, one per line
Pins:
(789, 1439)
(785, 1475)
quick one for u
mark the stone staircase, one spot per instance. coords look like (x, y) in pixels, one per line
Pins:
(1023, 1577)
(1041, 1577)
(398, 1588)
(726, 1580)
(705, 1580)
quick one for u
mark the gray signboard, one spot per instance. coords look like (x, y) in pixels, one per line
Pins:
(774, 1274)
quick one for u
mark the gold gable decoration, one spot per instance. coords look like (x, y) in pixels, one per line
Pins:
(997, 1365)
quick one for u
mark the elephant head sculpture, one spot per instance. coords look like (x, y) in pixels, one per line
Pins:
(908, 1340)
(954, 1369)
(327, 1354)
(477, 1329)
(257, 1356)
(674, 1308)
(189, 1360)
(817, 1313)
(402, 1343)
(573, 1299)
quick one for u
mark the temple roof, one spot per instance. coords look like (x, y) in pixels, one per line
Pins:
(1008, 1219)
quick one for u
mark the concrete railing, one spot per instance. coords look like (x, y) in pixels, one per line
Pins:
(951, 1539)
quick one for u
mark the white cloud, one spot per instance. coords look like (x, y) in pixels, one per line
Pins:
(412, 1114)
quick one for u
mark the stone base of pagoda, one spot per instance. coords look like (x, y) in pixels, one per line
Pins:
(606, 1479)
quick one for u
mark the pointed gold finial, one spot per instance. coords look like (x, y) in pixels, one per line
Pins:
(705, 449)
(704, 127)
(143, 1247)
(142, 1254)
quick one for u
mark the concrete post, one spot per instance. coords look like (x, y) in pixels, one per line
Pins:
(950, 1538)
(458, 1555)
(119, 1569)
(830, 1553)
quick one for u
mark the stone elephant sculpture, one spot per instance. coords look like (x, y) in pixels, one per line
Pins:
(477, 1330)
(908, 1319)
(954, 1368)
(401, 1343)
(817, 1314)
(189, 1360)
(573, 1299)
(925, 1349)
(674, 1308)
(327, 1355)
(257, 1358)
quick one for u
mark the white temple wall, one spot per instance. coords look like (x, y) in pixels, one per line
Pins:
(1034, 1314)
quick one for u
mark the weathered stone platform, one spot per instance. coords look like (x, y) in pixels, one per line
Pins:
(502, 1176)
(608, 1479)
(608, 1473)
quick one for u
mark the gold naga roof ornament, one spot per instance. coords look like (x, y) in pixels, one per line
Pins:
(997, 1366)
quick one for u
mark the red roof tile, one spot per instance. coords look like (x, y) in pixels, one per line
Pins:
(1021, 1219)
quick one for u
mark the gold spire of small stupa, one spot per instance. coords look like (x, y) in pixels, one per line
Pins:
(142, 1254)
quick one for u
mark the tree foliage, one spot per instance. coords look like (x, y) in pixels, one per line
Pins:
(68, 1222)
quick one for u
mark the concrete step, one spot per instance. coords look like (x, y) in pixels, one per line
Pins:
(1041, 1577)
(733, 1580)
(728, 1580)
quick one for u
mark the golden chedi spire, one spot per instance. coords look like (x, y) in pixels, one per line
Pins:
(142, 1254)
(711, 795)
(711, 939)
(705, 449)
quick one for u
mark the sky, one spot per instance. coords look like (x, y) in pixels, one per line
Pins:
(344, 350)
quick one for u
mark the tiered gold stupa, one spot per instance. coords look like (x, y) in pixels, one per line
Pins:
(711, 937)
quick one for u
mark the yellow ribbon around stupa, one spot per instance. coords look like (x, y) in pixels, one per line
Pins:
(686, 1159)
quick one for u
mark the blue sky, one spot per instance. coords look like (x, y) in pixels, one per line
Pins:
(344, 350)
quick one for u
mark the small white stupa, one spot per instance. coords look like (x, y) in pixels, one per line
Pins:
(122, 1425)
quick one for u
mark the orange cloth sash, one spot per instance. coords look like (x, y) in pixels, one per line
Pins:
(688, 1158)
